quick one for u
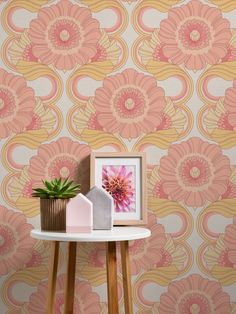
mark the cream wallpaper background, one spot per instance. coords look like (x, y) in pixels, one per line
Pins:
(153, 76)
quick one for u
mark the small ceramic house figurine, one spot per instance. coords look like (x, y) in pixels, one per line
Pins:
(103, 207)
(79, 215)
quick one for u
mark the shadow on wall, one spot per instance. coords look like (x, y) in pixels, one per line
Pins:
(84, 175)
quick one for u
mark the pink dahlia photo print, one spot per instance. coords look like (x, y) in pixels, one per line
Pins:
(123, 176)
(119, 181)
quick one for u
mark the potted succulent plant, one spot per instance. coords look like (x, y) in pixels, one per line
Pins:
(54, 196)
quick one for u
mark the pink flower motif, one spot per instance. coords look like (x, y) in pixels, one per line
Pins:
(86, 301)
(15, 241)
(230, 55)
(230, 191)
(144, 254)
(22, 185)
(17, 103)
(64, 35)
(42, 118)
(101, 54)
(195, 295)
(166, 259)
(231, 49)
(36, 259)
(152, 49)
(95, 255)
(22, 49)
(158, 190)
(119, 182)
(230, 104)
(59, 159)
(158, 53)
(148, 253)
(230, 242)
(224, 259)
(155, 185)
(195, 35)
(194, 172)
(40, 254)
(107, 49)
(86, 118)
(224, 122)
(129, 103)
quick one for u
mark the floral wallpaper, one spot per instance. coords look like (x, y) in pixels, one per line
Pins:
(139, 75)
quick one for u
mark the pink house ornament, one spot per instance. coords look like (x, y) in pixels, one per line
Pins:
(79, 215)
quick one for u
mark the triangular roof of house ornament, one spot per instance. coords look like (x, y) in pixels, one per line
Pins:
(79, 198)
(96, 194)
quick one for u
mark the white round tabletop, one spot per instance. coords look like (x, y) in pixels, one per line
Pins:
(116, 234)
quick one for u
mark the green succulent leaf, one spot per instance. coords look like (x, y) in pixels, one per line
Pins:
(39, 190)
(48, 185)
(66, 187)
(57, 188)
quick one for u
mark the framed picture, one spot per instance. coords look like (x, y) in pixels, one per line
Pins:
(123, 176)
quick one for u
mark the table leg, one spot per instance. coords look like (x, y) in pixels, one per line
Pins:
(52, 276)
(112, 291)
(126, 277)
(70, 279)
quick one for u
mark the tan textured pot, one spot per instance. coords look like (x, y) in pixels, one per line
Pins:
(53, 214)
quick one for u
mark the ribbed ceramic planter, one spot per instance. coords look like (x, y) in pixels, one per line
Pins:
(53, 214)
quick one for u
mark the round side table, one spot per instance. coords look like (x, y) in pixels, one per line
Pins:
(110, 237)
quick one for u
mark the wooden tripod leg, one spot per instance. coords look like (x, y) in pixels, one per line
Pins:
(126, 277)
(112, 291)
(70, 279)
(52, 276)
